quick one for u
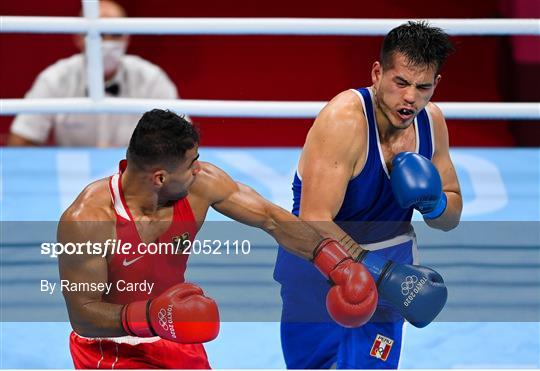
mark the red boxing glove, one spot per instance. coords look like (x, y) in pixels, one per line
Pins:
(181, 314)
(352, 300)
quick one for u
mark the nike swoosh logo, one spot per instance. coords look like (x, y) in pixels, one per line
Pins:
(127, 263)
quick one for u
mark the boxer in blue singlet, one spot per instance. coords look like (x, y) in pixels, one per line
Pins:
(372, 156)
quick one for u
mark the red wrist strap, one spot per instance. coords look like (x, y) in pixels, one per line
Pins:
(134, 319)
(328, 255)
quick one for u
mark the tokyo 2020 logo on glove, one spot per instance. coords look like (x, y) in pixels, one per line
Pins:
(408, 284)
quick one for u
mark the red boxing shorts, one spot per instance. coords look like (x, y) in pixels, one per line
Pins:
(132, 352)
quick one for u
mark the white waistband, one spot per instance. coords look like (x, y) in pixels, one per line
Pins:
(131, 340)
(410, 236)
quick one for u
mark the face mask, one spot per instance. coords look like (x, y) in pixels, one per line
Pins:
(112, 51)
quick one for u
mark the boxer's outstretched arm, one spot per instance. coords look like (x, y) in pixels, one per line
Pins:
(352, 299)
(442, 161)
(243, 204)
(89, 315)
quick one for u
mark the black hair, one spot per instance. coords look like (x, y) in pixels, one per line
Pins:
(161, 138)
(420, 43)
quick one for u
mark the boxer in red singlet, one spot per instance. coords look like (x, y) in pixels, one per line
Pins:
(162, 194)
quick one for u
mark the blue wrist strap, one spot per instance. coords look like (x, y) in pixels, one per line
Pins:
(374, 264)
(438, 210)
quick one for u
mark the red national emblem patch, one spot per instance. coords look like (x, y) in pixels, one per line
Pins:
(381, 347)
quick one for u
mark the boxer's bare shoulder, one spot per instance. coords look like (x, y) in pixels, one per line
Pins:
(344, 109)
(337, 139)
(211, 185)
(92, 204)
(90, 217)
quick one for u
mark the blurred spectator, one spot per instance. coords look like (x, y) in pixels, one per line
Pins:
(126, 76)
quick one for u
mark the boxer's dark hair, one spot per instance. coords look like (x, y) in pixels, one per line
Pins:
(161, 138)
(422, 44)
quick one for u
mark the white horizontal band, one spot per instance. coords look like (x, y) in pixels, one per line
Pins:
(131, 340)
(260, 26)
(231, 108)
(398, 240)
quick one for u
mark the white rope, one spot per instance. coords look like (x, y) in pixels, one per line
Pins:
(260, 26)
(230, 108)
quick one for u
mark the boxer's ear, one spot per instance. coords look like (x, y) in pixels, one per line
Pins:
(376, 73)
(437, 80)
(158, 178)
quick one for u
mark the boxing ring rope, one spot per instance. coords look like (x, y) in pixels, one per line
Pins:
(262, 26)
(262, 109)
(96, 103)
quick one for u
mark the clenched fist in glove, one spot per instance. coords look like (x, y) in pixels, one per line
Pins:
(352, 299)
(417, 183)
(417, 292)
(181, 314)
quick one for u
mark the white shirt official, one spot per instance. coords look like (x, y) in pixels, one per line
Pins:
(136, 78)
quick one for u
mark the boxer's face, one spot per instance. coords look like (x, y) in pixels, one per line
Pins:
(402, 90)
(176, 183)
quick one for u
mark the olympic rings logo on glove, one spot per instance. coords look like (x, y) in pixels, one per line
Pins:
(162, 319)
(408, 284)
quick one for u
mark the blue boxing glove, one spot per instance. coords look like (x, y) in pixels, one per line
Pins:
(417, 183)
(417, 292)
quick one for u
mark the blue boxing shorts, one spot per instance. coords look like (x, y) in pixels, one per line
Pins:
(310, 339)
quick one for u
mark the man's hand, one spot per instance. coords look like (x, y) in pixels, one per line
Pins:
(352, 300)
(181, 314)
(417, 292)
(417, 183)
